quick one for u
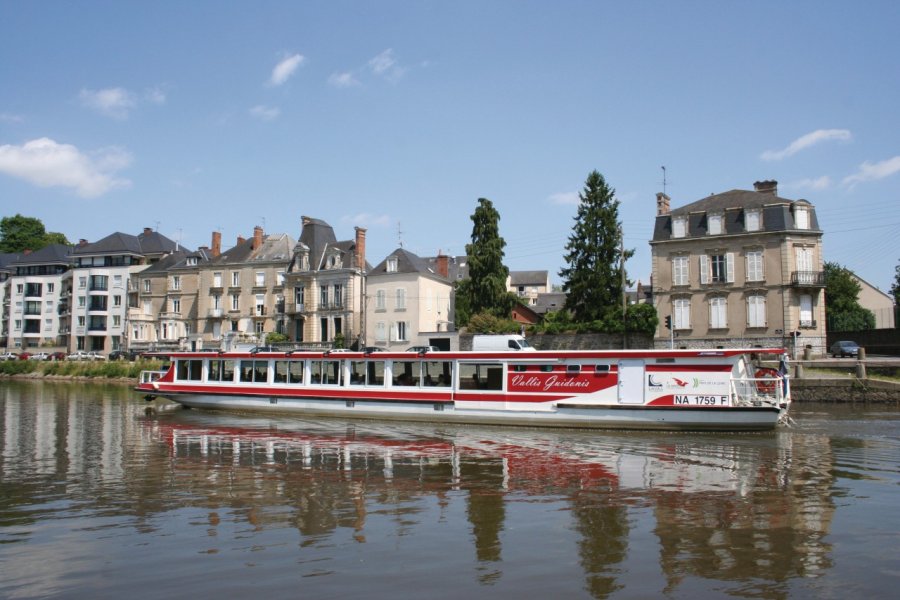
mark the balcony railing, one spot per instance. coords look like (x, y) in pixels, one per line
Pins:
(807, 323)
(215, 313)
(808, 278)
(294, 307)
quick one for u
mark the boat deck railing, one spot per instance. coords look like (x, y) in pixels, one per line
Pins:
(759, 391)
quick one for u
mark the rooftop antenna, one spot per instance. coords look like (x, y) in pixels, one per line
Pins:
(399, 234)
(263, 223)
(664, 178)
(178, 241)
(157, 225)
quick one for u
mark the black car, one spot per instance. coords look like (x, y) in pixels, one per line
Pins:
(844, 348)
(124, 355)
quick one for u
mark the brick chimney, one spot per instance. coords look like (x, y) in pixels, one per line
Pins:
(443, 265)
(360, 247)
(766, 187)
(240, 240)
(82, 242)
(257, 237)
(216, 243)
(662, 204)
(148, 230)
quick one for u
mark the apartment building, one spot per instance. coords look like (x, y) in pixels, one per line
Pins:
(741, 267)
(38, 309)
(527, 285)
(406, 301)
(100, 286)
(241, 291)
(324, 285)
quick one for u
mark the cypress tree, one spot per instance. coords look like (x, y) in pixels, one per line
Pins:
(486, 290)
(593, 278)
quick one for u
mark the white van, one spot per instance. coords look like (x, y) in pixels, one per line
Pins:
(500, 343)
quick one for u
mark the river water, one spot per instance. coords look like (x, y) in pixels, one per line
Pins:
(105, 496)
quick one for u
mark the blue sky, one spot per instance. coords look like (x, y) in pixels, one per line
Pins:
(192, 117)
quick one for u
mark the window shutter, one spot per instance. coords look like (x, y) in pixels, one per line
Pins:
(729, 267)
(704, 268)
(393, 332)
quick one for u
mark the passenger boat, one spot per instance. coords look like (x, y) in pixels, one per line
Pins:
(627, 389)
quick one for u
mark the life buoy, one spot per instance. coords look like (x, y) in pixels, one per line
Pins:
(766, 379)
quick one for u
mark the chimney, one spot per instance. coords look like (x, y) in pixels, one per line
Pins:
(82, 242)
(26, 251)
(443, 265)
(148, 230)
(766, 187)
(360, 247)
(216, 243)
(240, 240)
(662, 204)
(257, 237)
(304, 221)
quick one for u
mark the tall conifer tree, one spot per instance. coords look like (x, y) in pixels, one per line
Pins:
(487, 274)
(593, 278)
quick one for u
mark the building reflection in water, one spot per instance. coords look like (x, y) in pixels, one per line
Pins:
(727, 509)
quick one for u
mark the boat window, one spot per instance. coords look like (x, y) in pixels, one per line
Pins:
(221, 370)
(546, 368)
(437, 373)
(520, 368)
(288, 371)
(406, 373)
(190, 370)
(480, 376)
(254, 371)
(601, 369)
(357, 372)
(367, 372)
(573, 368)
(326, 372)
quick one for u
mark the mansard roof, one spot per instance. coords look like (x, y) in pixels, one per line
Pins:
(777, 214)
(274, 248)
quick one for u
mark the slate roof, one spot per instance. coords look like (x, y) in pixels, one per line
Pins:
(274, 248)
(407, 262)
(125, 243)
(457, 266)
(316, 235)
(7, 260)
(549, 302)
(54, 254)
(777, 214)
(528, 278)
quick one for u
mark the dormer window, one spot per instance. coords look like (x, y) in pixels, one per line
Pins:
(392, 264)
(332, 261)
(752, 220)
(679, 227)
(192, 261)
(801, 217)
(714, 224)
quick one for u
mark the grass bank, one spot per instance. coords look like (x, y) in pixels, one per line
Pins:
(77, 369)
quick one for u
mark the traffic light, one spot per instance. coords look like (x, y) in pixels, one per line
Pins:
(668, 321)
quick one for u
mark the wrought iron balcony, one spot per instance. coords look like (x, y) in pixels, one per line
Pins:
(808, 278)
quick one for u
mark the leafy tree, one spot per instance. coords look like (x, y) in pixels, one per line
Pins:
(842, 309)
(895, 289)
(276, 338)
(641, 318)
(486, 322)
(486, 289)
(593, 278)
(19, 233)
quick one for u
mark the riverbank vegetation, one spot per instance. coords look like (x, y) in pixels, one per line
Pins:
(90, 369)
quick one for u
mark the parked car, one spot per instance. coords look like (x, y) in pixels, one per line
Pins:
(423, 349)
(24, 355)
(39, 356)
(57, 356)
(124, 355)
(9, 356)
(844, 348)
(95, 356)
(371, 349)
(82, 355)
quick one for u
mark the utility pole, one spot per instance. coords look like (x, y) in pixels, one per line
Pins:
(624, 293)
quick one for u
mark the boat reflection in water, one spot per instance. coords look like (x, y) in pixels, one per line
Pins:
(721, 508)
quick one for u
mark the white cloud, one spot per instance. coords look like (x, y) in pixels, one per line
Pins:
(343, 80)
(46, 163)
(284, 69)
(567, 198)
(111, 102)
(872, 171)
(386, 66)
(818, 184)
(155, 95)
(11, 118)
(805, 141)
(265, 113)
(366, 220)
